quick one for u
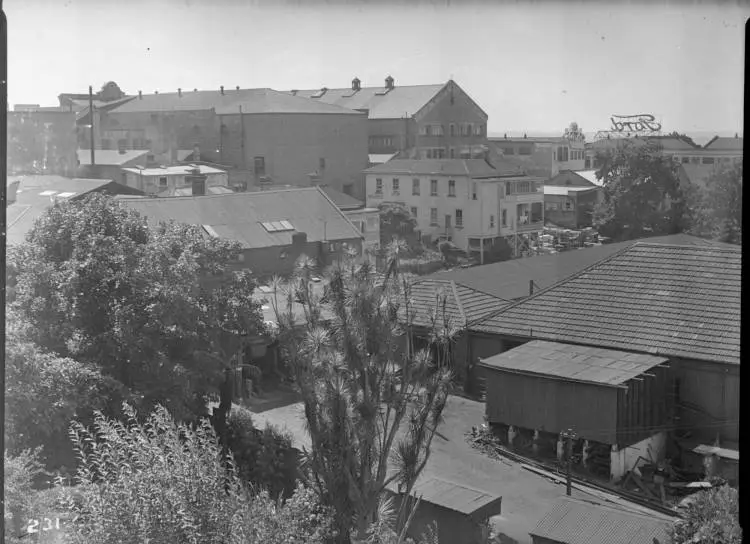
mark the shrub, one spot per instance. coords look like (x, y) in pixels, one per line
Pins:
(712, 517)
(21, 501)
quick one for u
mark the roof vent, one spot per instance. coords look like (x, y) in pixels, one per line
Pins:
(156, 92)
(389, 83)
(179, 92)
(524, 135)
(736, 135)
(222, 89)
(195, 90)
(294, 92)
(238, 87)
(140, 95)
(356, 84)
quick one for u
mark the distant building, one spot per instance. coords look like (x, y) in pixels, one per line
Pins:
(367, 220)
(273, 137)
(41, 140)
(544, 156)
(468, 202)
(570, 199)
(166, 180)
(30, 196)
(108, 164)
(426, 121)
(273, 227)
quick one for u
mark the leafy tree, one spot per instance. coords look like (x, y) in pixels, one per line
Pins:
(353, 356)
(20, 501)
(99, 285)
(397, 222)
(164, 482)
(642, 194)
(44, 392)
(716, 210)
(712, 517)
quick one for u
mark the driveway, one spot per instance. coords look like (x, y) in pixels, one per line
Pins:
(526, 496)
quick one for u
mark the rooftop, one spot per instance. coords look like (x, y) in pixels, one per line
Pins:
(721, 143)
(249, 101)
(576, 521)
(509, 280)
(380, 103)
(670, 300)
(34, 194)
(576, 363)
(457, 497)
(110, 157)
(462, 305)
(240, 216)
(564, 191)
(180, 170)
(342, 200)
(475, 168)
(211, 190)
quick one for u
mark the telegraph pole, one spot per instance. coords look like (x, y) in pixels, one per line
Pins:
(91, 114)
(569, 435)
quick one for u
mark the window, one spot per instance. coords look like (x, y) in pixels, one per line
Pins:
(106, 143)
(433, 187)
(695, 160)
(433, 216)
(163, 181)
(708, 160)
(395, 184)
(509, 150)
(428, 130)
(453, 129)
(551, 206)
(479, 130)
(524, 150)
(260, 166)
(685, 160)
(413, 211)
(459, 218)
(452, 153)
(505, 218)
(523, 187)
(451, 187)
(378, 186)
(437, 130)
(568, 205)
(415, 186)
(508, 188)
(321, 164)
(492, 221)
(473, 190)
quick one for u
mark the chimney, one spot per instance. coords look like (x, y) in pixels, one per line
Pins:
(156, 92)
(238, 87)
(196, 153)
(140, 95)
(12, 192)
(195, 90)
(356, 84)
(179, 92)
(524, 135)
(736, 135)
(222, 89)
(389, 83)
(299, 239)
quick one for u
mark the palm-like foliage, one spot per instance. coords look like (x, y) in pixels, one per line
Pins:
(372, 401)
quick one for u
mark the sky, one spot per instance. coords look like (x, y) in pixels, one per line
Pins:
(532, 66)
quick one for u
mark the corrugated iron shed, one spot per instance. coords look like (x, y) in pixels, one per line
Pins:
(456, 497)
(574, 521)
(578, 363)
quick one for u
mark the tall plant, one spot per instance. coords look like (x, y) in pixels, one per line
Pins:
(372, 401)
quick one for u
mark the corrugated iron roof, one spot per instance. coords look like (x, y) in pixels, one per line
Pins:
(456, 497)
(677, 301)
(722, 143)
(380, 158)
(238, 216)
(251, 101)
(578, 363)
(398, 103)
(180, 170)
(342, 200)
(574, 521)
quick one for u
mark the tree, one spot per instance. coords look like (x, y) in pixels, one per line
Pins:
(20, 501)
(354, 360)
(716, 210)
(712, 517)
(642, 195)
(397, 222)
(163, 482)
(99, 285)
(44, 392)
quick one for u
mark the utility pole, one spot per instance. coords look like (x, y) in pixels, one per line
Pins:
(91, 114)
(569, 435)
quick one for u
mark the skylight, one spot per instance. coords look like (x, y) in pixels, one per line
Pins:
(277, 226)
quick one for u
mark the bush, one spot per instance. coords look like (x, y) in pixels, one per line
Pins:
(21, 501)
(264, 458)
(163, 482)
(712, 517)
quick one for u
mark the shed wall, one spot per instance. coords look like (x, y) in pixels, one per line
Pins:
(551, 405)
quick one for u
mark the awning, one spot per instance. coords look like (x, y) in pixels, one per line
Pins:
(724, 453)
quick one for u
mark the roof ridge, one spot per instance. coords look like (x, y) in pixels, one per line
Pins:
(621, 509)
(564, 280)
(724, 247)
(328, 199)
(483, 292)
(458, 303)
